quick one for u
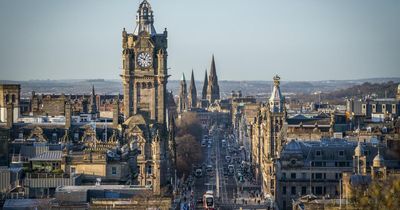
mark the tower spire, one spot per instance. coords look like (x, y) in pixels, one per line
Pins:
(93, 104)
(145, 19)
(183, 102)
(192, 92)
(205, 85)
(213, 87)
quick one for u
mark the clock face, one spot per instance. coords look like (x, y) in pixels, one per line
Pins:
(144, 59)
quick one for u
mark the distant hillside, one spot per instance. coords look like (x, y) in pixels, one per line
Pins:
(337, 96)
(379, 90)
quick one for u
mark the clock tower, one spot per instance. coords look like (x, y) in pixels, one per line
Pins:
(144, 68)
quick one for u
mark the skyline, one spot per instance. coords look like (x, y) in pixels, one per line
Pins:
(49, 35)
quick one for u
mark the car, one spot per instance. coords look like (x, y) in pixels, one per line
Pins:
(198, 172)
(203, 144)
(228, 158)
(231, 169)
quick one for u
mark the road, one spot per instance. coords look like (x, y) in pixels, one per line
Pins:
(226, 186)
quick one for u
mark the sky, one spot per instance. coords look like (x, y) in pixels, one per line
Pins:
(251, 39)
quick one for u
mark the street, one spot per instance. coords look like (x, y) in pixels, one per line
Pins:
(224, 172)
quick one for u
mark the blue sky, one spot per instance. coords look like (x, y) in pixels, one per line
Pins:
(251, 39)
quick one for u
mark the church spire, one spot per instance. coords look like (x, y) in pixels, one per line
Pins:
(93, 104)
(183, 102)
(213, 87)
(205, 85)
(192, 92)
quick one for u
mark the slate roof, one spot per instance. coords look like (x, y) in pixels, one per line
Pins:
(48, 156)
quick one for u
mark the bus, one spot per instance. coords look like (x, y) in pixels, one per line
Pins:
(208, 200)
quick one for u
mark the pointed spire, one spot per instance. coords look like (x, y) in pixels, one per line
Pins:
(213, 87)
(213, 72)
(93, 92)
(183, 77)
(93, 105)
(205, 85)
(192, 83)
(192, 92)
(183, 100)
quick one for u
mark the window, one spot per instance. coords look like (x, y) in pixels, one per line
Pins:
(284, 190)
(73, 170)
(341, 153)
(318, 190)
(318, 153)
(293, 175)
(293, 190)
(148, 182)
(283, 175)
(114, 170)
(318, 175)
(293, 162)
(149, 170)
(303, 190)
(303, 175)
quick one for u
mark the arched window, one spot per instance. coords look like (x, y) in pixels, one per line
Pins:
(13, 98)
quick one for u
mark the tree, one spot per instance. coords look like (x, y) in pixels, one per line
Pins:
(380, 194)
(188, 138)
(188, 153)
(190, 124)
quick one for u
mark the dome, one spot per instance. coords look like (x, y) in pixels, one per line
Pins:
(359, 150)
(293, 147)
(137, 119)
(378, 160)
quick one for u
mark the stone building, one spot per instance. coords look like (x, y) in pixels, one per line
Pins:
(9, 103)
(144, 68)
(376, 110)
(138, 149)
(144, 77)
(267, 135)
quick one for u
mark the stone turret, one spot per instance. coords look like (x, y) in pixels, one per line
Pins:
(68, 115)
(276, 101)
(145, 19)
(116, 112)
(93, 103)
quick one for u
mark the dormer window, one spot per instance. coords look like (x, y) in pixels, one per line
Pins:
(318, 153)
(341, 153)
